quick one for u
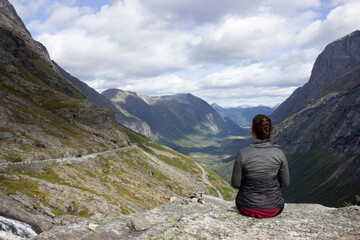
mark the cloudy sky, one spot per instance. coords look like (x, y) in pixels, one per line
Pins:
(231, 52)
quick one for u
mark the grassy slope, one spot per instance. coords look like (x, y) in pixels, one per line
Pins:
(312, 181)
(37, 112)
(187, 163)
(213, 152)
(125, 181)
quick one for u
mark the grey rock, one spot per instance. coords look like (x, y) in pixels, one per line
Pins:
(5, 135)
(14, 208)
(92, 226)
(140, 223)
(219, 219)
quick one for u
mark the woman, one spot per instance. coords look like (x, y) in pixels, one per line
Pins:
(260, 170)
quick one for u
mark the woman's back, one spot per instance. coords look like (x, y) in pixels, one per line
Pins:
(259, 172)
(261, 159)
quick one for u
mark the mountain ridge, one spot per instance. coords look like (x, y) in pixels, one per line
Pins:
(335, 60)
(320, 127)
(173, 116)
(242, 115)
(93, 96)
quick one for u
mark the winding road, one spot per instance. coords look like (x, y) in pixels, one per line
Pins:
(207, 180)
(65, 160)
(84, 157)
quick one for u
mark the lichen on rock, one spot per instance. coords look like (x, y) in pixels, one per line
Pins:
(219, 219)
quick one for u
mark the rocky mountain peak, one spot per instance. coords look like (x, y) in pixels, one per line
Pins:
(7, 9)
(336, 60)
(16, 43)
(319, 124)
(117, 95)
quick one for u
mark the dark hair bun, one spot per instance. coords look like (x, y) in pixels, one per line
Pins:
(261, 125)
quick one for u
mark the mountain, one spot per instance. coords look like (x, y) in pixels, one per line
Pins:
(186, 124)
(319, 127)
(42, 114)
(219, 219)
(338, 58)
(93, 96)
(242, 115)
(64, 159)
(175, 116)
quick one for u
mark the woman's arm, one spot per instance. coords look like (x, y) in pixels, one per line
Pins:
(237, 172)
(283, 175)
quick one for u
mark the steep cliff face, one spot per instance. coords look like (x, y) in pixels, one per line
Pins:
(321, 122)
(93, 96)
(337, 59)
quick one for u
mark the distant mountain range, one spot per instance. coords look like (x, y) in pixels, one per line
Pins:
(175, 117)
(319, 126)
(242, 115)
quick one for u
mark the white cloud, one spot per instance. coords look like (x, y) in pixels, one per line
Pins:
(229, 52)
(26, 8)
(62, 17)
(268, 96)
(238, 38)
(121, 39)
(340, 21)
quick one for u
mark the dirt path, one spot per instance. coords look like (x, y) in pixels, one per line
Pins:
(207, 181)
(65, 160)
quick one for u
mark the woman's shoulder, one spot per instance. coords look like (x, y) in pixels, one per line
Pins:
(245, 149)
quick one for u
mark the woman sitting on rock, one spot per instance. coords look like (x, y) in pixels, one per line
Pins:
(260, 170)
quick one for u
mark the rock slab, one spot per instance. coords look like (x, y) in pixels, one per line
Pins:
(140, 223)
(219, 219)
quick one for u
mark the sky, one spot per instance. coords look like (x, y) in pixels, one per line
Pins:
(229, 52)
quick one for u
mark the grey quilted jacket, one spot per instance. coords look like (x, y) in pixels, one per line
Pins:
(260, 170)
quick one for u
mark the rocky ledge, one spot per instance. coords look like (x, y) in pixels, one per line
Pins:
(214, 218)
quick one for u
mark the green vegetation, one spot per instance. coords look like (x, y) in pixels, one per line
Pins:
(215, 153)
(24, 186)
(84, 213)
(105, 165)
(357, 200)
(228, 192)
(181, 163)
(136, 137)
(312, 180)
(225, 170)
(47, 174)
(58, 212)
